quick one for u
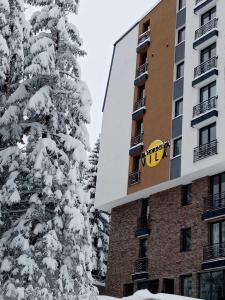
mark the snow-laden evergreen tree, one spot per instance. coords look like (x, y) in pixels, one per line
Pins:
(100, 220)
(12, 27)
(46, 254)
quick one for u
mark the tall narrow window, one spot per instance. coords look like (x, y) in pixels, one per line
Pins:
(143, 248)
(212, 285)
(180, 70)
(208, 92)
(181, 35)
(146, 26)
(187, 194)
(186, 286)
(177, 147)
(208, 16)
(178, 111)
(186, 239)
(208, 53)
(181, 4)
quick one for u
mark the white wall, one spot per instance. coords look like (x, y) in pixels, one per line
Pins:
(190, 135)
(116, 126)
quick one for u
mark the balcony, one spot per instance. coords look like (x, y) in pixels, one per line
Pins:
(142, 227)
(134, 178)
(202, 6)
(214, 207)
(206, 35)
(139, 109)
(136, 144)
(205, 113)
(205, 151)
(143, 41)
(141, 74)
(140, 269)
(205, 72)
(214, 256)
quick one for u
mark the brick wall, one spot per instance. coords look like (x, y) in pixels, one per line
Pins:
(167, 218)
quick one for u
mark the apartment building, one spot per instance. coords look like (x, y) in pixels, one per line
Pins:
(162, 157)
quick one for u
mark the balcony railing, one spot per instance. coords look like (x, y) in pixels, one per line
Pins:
(144, 37)
(139, 104)
(215, 201)
(214, 251)
(137, 139)
(141, 265)
(142, 69)
(205, 106)
(206, 66)
(198, 1)
(205, 150)
(206, 28)
(134, 177)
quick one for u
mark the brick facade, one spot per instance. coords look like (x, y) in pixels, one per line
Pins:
(167, 218)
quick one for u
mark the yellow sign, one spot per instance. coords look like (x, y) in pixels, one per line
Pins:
(155, 153)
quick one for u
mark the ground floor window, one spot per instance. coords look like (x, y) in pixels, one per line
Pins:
(186, 286)
(151, 285)
(212, 285)
(128, 289)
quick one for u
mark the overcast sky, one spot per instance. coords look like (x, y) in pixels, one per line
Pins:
(101, 23)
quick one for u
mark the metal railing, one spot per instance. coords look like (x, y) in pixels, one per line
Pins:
(143, 37)
(205, 106)
(206, 28)
(137, 139)
(205, 150)
(134, 177)
(141, 265)
(142, 69)
(215, 201)
(205, 66)
(198, 1)
(142, 222)
(214, 251)
(139, 104)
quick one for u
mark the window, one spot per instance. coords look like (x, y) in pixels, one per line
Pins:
(178, 111)
(217, 233)
(186, 239)
(207, 134)
(180, 70)
(146, 26)
(145, 208)
(186, 286)
(217, 190)
(187, 195)
(141, 92)
(143, 248)
(128, 289)
(208, 92)
(144, 58)
(181, 35)
(181, 4)
(151, 285)
(177, 147)
(212, 285)
(208, 53)
(136, 164)
(208, 16)
(139, 127)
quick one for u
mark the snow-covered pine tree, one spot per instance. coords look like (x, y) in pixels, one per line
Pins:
(100, 220)
(13, 38)
(47, 254)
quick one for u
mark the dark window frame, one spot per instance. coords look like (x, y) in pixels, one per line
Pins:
(180, 70)
(207, 87)
(210, 273)
(182, 277)
(177, 111)
(208, 128)
(175, 154)
(185, 201)
(181, 35)
(184, 247)
(181, 4)
(209, 14)
(209, 51)
(220, 232)
(128, 285)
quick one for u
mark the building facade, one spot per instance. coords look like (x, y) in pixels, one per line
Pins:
(162, 156)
